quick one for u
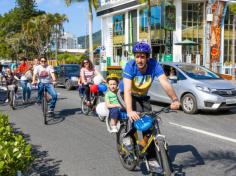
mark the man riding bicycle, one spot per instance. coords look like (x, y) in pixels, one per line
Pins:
(46, 78)
(138, 76)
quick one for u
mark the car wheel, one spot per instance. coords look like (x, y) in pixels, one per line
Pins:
(189, 104)
(68, 85)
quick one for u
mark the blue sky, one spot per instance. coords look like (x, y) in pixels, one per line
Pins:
(77, 14)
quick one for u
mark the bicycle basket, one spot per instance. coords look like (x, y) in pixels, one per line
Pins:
(144, 123)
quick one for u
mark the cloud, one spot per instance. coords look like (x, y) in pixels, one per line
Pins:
(50, 2)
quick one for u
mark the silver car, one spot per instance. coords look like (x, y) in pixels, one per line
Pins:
(196, 87)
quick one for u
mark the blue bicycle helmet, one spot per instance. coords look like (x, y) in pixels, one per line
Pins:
(141, 47)
(144, 123)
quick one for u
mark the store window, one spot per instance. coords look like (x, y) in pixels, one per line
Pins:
(155, 18)
(228, 35)
(192, 28)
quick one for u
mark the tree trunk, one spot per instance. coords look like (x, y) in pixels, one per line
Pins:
(233, 48)
(90, 16)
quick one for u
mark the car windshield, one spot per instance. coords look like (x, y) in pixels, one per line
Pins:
(198, 72)
(72, 69)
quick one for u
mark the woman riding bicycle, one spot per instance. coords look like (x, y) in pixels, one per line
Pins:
(87, 73)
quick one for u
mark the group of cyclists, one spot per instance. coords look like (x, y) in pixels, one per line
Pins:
(137, 78)
(39, 73)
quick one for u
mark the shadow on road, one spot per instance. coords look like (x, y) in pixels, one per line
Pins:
(43, 165)
(197, 159)
(226, 160)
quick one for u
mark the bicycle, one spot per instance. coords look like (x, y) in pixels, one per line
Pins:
(12, 96)
(130, 155)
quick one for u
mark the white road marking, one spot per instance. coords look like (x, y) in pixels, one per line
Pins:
(204, 132)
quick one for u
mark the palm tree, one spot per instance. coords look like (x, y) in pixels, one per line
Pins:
(91, 4)
(232, 8)
(58, 27)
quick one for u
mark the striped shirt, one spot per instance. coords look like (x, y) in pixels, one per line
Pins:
(88, 74)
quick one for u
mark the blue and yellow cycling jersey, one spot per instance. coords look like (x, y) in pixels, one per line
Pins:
(141, 82)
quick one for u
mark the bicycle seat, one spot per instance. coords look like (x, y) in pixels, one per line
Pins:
(144, 123)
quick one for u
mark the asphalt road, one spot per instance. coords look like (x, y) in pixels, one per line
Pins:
(77, 145)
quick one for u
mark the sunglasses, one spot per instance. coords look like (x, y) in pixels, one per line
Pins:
(85, 62)
(43, 61)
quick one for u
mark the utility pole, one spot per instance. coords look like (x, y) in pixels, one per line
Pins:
(233, 49)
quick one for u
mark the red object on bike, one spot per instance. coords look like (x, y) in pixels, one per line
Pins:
(94, 88)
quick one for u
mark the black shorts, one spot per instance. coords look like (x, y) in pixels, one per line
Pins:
(141, 103)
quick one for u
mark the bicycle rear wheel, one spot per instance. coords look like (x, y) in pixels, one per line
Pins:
(127, 159)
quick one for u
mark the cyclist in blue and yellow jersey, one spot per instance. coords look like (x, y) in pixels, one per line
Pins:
(138, 76)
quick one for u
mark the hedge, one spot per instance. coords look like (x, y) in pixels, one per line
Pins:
(15, 153)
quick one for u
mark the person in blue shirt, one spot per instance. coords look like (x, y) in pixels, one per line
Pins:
(138, 76)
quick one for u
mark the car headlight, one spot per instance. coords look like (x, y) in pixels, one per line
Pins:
(73, 78)
(204, 89)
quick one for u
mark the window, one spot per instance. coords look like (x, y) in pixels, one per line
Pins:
(118, 25)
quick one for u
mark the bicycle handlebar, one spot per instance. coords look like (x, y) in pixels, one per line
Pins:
(155, 113)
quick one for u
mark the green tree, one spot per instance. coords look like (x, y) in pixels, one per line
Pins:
(91, 4)
(11, 25)
(38, 30)
(232, 8)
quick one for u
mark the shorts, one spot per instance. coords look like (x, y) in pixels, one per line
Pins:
(114, 113)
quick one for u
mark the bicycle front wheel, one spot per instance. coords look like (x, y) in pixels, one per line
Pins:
(45, 109)
(84, 106)
(164, 160)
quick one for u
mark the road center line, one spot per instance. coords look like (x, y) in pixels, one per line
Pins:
(204, 132)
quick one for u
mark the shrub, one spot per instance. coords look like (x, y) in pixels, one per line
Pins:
(15, 153)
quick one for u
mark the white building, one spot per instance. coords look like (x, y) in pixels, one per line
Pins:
(67, 41)
(124, 22)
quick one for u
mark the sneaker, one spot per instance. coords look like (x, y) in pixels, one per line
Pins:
(38, 103)
(7, 100)
(114, 129)
(50, 111)
(154, 166)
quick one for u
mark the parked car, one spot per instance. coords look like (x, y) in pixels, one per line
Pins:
(196, 87)
(68, 75)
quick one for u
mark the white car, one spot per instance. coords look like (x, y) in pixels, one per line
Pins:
(196, 87)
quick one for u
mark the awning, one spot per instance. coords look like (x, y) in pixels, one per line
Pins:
(186, 43)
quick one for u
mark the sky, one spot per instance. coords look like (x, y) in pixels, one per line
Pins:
(77, 14)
